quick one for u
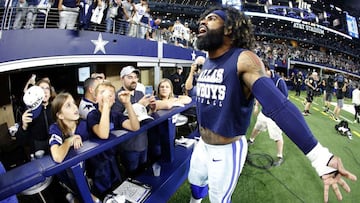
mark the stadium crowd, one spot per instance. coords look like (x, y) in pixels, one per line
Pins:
(134, 18)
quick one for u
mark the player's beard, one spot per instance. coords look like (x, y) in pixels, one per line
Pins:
(212, 40)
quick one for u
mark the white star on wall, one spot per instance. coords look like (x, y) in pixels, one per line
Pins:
(193, 55)
(99, 44)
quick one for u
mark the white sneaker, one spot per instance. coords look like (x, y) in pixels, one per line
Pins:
(250, 142)
(279, 161)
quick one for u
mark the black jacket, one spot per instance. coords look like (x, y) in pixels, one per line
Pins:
(38, 130)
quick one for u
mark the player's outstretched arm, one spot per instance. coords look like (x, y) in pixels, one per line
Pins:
(290, 120)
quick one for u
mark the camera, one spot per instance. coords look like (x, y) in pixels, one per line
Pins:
(341, 80)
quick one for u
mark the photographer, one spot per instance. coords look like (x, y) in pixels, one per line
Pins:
(355, 98)
(329, 90)
(193, 75)
(341, 84)
(311, 87)
(298, 82)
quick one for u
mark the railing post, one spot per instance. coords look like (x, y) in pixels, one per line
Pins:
(81, 183)
(167, 136)
(46, 16)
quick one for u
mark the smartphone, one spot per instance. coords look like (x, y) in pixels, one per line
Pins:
(149, 90)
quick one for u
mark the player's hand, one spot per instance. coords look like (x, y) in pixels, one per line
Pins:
(336, 178)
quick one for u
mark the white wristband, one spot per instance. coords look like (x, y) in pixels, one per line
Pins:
(319, 157)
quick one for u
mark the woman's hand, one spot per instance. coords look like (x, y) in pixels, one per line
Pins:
(26, 119)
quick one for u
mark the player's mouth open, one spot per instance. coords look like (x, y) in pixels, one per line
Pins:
(202, 30)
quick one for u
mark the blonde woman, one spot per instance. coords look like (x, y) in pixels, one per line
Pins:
(165, 97)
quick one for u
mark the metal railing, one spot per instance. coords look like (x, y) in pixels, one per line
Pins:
(23, 177)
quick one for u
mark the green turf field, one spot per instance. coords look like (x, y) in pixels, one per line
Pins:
(295, 180)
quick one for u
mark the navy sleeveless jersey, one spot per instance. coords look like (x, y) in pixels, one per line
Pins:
(220, 101)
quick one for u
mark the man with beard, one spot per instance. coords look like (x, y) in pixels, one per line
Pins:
(231, 77)
(134, 151)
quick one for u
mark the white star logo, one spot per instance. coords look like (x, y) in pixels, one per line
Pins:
(99, 44)
(193, 55)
